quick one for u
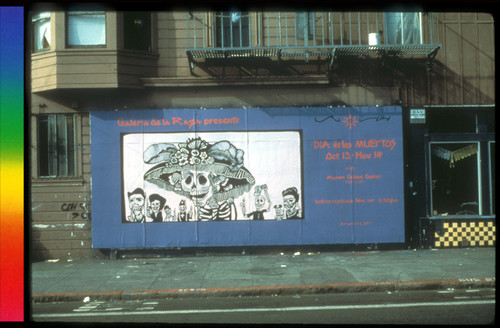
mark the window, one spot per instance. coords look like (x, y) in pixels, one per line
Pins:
(402, 28)
(304, 25)
(56, 145)
(232, 29)
(137, 30)
(455, 178)
(451, 121)
(86, 28)
(41, 31)
(490, 125)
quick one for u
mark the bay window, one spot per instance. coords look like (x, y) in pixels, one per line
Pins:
(86, 28)
(137, 30)
(41, 31)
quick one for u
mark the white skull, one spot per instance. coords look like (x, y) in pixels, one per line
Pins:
(198, 184)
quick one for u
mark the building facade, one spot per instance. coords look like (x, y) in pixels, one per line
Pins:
(367, 127)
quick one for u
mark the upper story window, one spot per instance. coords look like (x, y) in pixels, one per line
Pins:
(403, 28)
(41, 31)
(304, 25)
(232, 29)
(86, 28)
(137, 30)
(57, 151)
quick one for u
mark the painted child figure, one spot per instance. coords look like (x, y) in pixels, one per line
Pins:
(184, 215)
(154, 212)
(169, 215)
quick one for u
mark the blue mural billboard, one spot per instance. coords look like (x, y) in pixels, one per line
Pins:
(241, 177)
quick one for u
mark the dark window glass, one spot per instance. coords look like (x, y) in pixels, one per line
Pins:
(137, 30)
(43, 146)
(451, 121)
(232, 29)
(491, 122)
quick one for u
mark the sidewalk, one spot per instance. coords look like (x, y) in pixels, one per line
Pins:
(267, 274)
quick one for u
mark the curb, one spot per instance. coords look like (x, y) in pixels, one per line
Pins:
(267, 290)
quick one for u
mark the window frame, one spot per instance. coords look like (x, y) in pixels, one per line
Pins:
(77, 141)
(85, 46)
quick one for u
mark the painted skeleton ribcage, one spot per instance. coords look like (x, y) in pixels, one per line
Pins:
(223, 212)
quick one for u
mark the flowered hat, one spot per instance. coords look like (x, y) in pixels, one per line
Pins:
(221, 158)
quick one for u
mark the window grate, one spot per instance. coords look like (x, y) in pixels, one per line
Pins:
(56, 146)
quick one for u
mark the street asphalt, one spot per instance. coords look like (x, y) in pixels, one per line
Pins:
(276, 273)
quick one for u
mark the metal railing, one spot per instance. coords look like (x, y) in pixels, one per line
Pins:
(291, 31)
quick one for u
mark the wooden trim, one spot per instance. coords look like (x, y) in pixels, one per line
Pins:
(188, 82)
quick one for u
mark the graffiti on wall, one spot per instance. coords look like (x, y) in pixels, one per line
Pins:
(220, 176)
(77, 209)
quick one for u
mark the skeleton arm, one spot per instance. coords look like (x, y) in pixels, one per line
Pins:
(266, 194)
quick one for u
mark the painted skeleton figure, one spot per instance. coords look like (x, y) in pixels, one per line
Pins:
(261, 196)
(210, 175)
(291, 204)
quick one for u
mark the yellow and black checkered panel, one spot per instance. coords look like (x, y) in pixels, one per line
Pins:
(466, 233)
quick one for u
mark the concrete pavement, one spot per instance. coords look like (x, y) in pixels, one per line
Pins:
(262, 274)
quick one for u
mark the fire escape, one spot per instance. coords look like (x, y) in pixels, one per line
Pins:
(287, 44)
